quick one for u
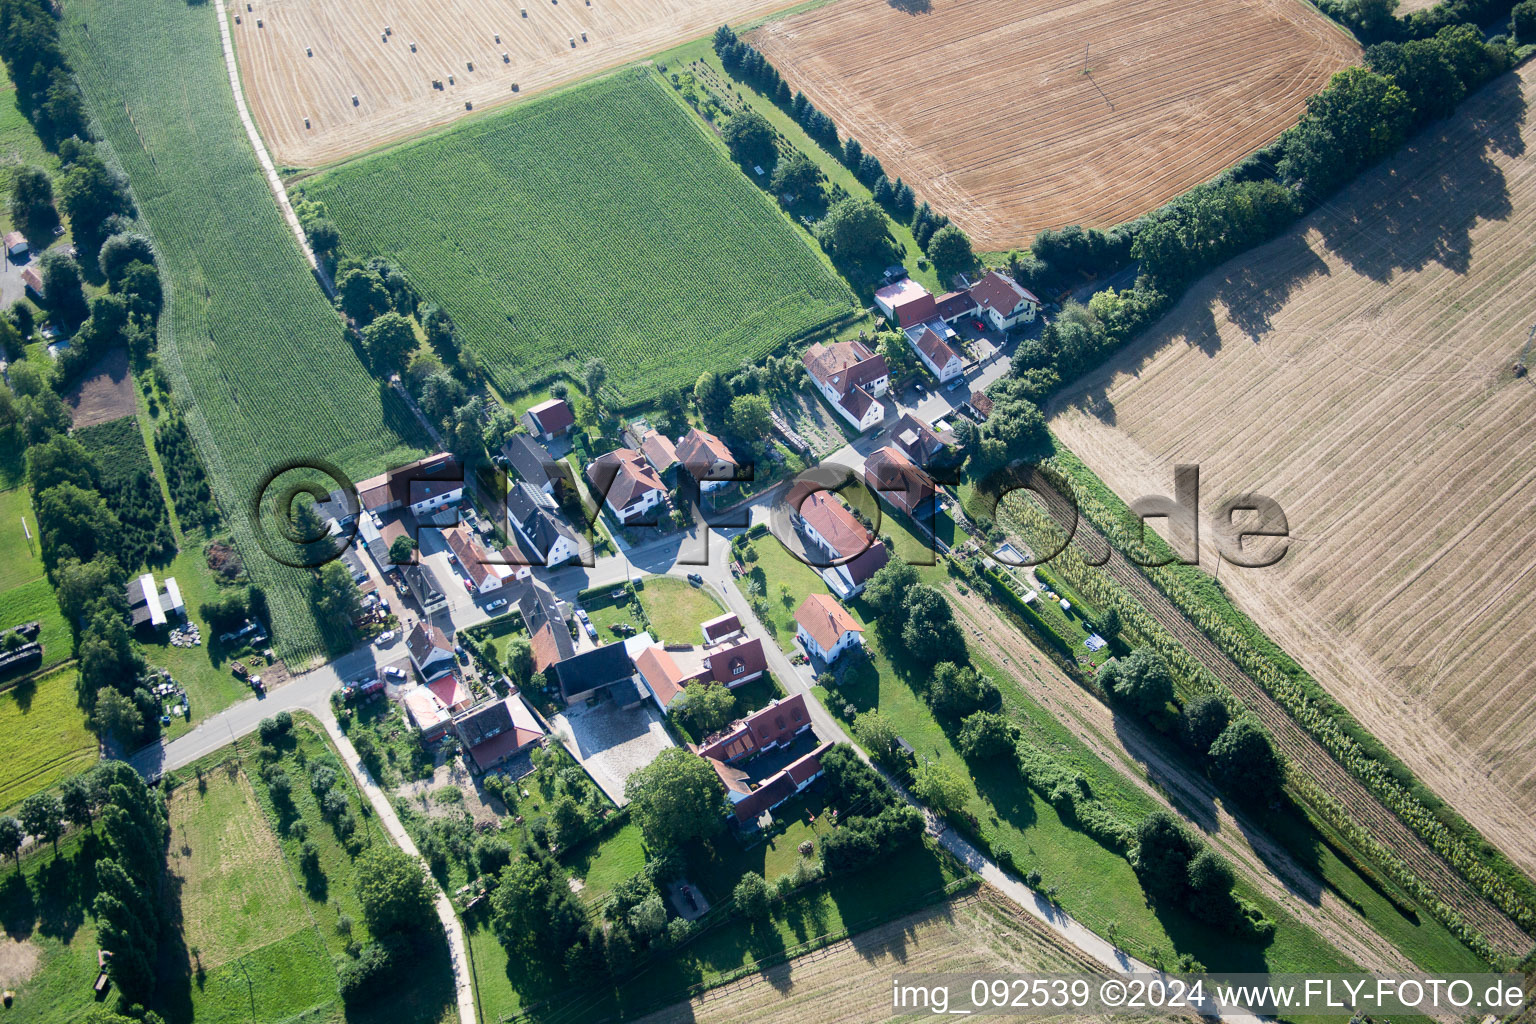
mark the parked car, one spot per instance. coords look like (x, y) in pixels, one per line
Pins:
(696, 579)
(978, 325)
(956, 384)
(395, 672)
(386, 637)
(693, 904)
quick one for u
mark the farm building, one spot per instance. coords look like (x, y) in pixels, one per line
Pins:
(707, 459)
(720, 627)
(931, 342)
(549, 420)
(430, 649)
(148, 606)
(629, 486)
(496, 732)
(16, 244)
(854, 550)
(899, 481)
(778, 729)
(425, 486)
(581, 676)
(906, 303)
(825, 629)
(1003, 302)
(728, 657)
(531, 462)
(543, 537)
(423, 585)
(952, 306)
(852, 378)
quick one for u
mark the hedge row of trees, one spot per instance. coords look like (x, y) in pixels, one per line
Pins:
(45, 85)
(1375, 21)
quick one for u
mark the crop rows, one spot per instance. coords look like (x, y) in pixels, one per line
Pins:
(1474, 906)
(258, 360)
(601, 221)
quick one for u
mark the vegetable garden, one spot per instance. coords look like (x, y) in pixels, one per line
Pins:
(260, 364)
(601, 221)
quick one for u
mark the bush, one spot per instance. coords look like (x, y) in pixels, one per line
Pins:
(1164, 851)
(751, 897)
(1204, 719)
(1244, 763)
(986, 734)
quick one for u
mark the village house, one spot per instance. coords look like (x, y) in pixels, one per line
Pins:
(543, 536)
(898, 480)
(658, 451)
(1004, 303)
(629, 485)
(430, 649)
(825, 629)
(728, 657)
(496, 732)
(425, 487)
(928, 341)
(423, 585)
(905, 303)
(856, 553)
(952, 306)
(548, 635)
(427, 711)
(531, 462)
(771, 730)
(918, 441)
(486, 572)
(707, 459)
(549, 420)
(852, 378)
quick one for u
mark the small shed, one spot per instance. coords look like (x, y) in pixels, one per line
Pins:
(16, 244)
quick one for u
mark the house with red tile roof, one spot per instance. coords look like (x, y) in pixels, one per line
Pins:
(720, 627)
(773, 728)
(549, 636)
(707, 459)
(905, 303)
(427, 711)
(451, 693)
(425, 486)
(729, 657)
(852, 378)
(628, 483)
(498, 731)
(1003, 302)
(928, 340)
(825, 629)
(854, 552)
(658, 451)
(32, 282)
(549, 420)
(486, 572)
(952, 306)
(898, 480)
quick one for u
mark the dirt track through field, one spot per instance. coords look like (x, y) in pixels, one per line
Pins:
(1125, 746)
(985, 109)
(1358, 371)
(849, 982)
(391, 73)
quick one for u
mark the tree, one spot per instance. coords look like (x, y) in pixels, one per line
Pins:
(749, 136)
(334, 595)
(593, 376)
(42, 815)
(887, 589)
(139, 283)
(986, 734)
(1358, 119)
(468, 430)
(936, 784)
(1204, 719)
(713, 397)
(389, 341)
(1210, 889)
(12, 834)
(751, 420)
(956, 691)
(950, 250)
(930, 633)
(797, 175)
(675, 798)
(76, 523)
(854, 227)
(61, 459)
(1109, 624)
(392, 890)
(1142, 680)
(119, 251)
(63, 291)
(90, 193)
(566, 823)
(361, 295)
(708, 707)
(878, 735)
(1163, 854)
(1245, 764)
(1017, 428)
(32, 201)
(402, 550)
(1522, 22)
(533, 908)
(751, 897)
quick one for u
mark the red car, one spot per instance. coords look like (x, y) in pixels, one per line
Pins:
(978, 325)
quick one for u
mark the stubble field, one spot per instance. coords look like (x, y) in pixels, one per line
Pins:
(985, 109)
(1358, 371)
(353, 56)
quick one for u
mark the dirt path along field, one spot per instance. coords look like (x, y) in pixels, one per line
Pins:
(1357, 370)
(1020, 116)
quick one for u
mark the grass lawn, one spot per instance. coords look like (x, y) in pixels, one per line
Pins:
(402, 756)
(46, 905)
(607, 612)
(786, 582)
(43, 736)
(20, 561)
(35, 600)
(676, 608)
(607, 862)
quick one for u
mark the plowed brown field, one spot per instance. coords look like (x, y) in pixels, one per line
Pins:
(983, 107)
(353, 56)
(1358, 371)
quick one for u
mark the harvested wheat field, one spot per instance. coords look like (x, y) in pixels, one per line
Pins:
(387, 54)
(850, 981)
(1359, 370)
(984, 108)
